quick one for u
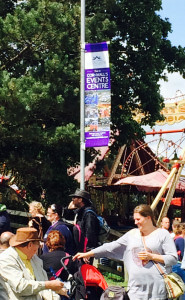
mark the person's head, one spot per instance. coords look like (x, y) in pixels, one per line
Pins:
(26, 239)
(165, 223)
(183, 229)
(55, 240)
(143, 216)
(36, 208)
(175, 223)
(5, 238)
(178, 228)
(81, 198)
(54, 212)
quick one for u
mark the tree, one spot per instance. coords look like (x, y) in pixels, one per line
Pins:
(38, 70)
(7, 7)
(39, 81)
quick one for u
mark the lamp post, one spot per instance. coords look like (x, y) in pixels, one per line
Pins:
(82, 97)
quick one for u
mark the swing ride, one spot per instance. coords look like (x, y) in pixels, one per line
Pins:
(159, 151)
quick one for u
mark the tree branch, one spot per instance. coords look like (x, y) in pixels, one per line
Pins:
(15, 58)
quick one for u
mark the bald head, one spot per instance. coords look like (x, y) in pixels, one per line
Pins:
(4, 239)
(165, 223)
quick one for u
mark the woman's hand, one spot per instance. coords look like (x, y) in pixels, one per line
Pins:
(85, 255)
(144, 255)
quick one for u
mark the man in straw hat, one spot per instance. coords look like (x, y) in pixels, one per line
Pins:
(22, 270)
(87, 229)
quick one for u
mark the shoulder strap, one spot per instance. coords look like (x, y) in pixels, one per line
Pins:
(61, 269)
(40, 227)
(154, 262)
(36, 221)
(89, 210)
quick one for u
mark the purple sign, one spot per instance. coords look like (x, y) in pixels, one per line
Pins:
(97, 95)
(97, 79)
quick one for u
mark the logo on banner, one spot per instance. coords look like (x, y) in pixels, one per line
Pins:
(97, 95)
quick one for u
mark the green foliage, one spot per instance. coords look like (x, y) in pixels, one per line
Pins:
(139, 53)
(38, 126)
(7, 7)
(113, 279)
(40, 74)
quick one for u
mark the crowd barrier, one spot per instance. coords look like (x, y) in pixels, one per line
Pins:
(20, 219)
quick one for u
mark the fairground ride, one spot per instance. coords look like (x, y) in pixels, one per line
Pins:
(174, 113)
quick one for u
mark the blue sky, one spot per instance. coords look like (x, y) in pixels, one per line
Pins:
(174, 10)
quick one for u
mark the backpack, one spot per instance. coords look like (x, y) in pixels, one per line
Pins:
(58, 273)
(114, 292)
(104, 227)
(40, 230)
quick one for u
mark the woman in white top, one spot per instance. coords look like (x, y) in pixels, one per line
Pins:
(145, 281)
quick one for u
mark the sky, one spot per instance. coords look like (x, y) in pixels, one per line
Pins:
(174, 11)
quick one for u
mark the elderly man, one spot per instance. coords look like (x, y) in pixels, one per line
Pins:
(22, 271)
(4, 240)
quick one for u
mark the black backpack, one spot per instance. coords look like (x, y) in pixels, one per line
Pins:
(114, 292)
(104, 229)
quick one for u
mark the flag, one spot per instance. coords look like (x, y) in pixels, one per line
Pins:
(97, 95)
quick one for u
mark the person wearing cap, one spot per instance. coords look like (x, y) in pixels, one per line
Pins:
(54, 213)
(22, 272)
(4, 219)
(87, 225)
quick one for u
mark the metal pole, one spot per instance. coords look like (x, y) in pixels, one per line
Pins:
(82, 98)
(168, 199)
(163, 189)
(165, 131)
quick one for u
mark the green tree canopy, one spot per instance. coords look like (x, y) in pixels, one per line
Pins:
(39, 80)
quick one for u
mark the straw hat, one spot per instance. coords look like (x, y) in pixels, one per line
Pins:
(23, 235)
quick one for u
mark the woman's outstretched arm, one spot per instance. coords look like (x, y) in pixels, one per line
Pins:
(83, 255)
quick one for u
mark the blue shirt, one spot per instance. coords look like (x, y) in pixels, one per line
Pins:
(4, 222)
(60, 226)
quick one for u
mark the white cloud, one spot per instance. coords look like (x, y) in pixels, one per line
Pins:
(174, 84)
(173, 90)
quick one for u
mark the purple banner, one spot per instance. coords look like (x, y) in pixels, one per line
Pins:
(96, 47)
(97, 139)
(97, 79)
(97, 95)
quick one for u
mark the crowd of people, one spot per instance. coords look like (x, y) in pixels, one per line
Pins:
(31, 257)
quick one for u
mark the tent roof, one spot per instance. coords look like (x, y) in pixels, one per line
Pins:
(150, 182)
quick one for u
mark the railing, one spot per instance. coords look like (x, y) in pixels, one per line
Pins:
(23, 216)
(113, 266)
